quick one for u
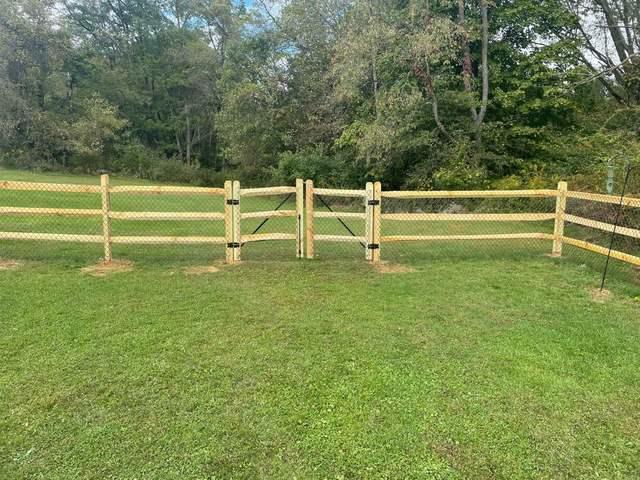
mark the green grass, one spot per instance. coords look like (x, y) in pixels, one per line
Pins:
(485, 362)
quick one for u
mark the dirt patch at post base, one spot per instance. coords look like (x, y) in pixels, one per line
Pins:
(102, 269)
(7, 264)
(388, 267)
(201, 270)
(600, 296)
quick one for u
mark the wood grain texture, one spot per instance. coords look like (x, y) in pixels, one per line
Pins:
(469, 217)
(181, 216)
(53, 212)
(469, 194)
(498, 236)
(336, 192)
(625, 257)
(50, 187)
(598, 197)
(106, 219)
(607, 227)
(265, 191)
(558, 227)
(167, 190)
(308, 218)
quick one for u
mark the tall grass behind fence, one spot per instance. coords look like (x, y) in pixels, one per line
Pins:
(231, 223)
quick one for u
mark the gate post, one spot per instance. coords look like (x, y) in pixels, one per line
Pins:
(237, 237)
(299, 218)
(558, 228)
(368, 219)
(228, 220)
(377, 220)
(308, 217)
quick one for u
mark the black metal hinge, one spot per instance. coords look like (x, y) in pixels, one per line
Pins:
(233, 245)
(373, 246)
(233, 201)
(373, 202)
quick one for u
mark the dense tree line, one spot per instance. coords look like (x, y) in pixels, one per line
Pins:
(418, 93)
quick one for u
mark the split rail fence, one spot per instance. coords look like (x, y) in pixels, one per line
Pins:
(305, 237)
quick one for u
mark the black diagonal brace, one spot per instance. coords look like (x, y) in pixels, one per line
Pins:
(257, 229)
(340, 220)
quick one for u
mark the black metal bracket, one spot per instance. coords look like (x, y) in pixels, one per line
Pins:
(233, 201)
(233, 245)
(373, 202)
(373, 246)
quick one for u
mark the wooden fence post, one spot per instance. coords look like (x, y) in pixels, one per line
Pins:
(106, 218)
(377, 220)
(308, 217)
(228, 220)
(237, 236)
(368, 220)
(299, 218)
(558, 228)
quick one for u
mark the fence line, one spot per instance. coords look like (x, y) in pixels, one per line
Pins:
(305, 215)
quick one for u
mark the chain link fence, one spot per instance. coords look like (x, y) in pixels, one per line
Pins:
(70, 223)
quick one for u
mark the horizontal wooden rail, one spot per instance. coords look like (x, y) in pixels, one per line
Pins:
(265, 191)
(261, 237)
(54, 212)
(470, 194)
(268, 214)
(599, 197)
(607, 227)
(58, 237)
(49, 187)
(469, 217)
(625, 257)
(336, 192)
(166, 240)
(498, 236)
(340, 215)
(171, 190)
(339, 238)
(166, 215)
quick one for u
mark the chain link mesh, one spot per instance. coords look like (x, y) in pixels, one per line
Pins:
(186, 224)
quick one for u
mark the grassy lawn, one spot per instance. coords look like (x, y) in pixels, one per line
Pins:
(484, 362)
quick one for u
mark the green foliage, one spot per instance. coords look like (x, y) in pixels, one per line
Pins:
(139, 86)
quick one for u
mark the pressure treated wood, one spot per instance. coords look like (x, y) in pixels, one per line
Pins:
(228, 220)
(57, 237)
(49, 187)
(167, 190)
(607, 227)
(336, 192)
(299, 218)
(359, 215)
(368, 224)
(265, 191)
(182, 216)
(237, 215)
(340, 238)
(625, 257)
(269, 214)
(500, 236)
(261, 237)
(308, 218)
(52, 212)
(377, 222)
(598, 197)
(106, 219)
(165, 240)
(469, 217)
(469, 194)
(558, 227)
